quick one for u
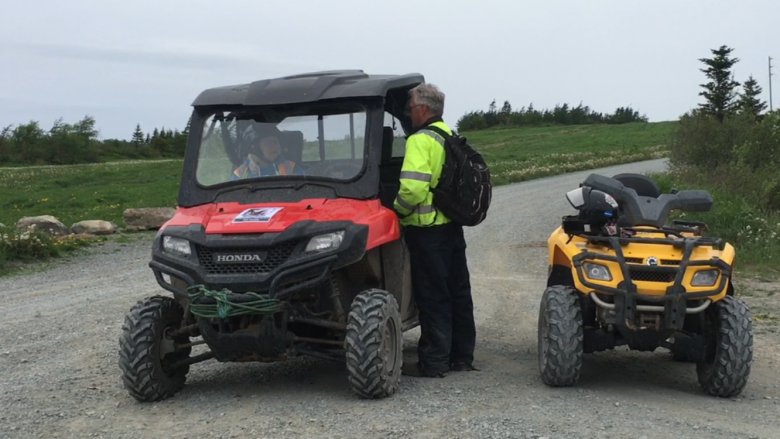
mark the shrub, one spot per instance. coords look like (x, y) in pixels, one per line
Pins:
(24, 246)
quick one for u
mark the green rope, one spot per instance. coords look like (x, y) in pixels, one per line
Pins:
(223, 308)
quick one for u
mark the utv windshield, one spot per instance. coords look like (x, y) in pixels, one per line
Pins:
(260, 144)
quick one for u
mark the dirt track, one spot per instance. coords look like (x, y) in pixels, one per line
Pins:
(59, 374)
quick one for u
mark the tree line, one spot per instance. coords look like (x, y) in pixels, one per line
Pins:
(530, 117)
(730, 139)
(66, 143)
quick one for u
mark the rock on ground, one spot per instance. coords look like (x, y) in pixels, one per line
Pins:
(147, 218)
(94, 227)
(46, 223)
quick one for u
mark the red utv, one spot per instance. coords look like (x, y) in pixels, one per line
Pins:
(304, 259)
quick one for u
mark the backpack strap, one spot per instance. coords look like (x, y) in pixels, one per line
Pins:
(439, 131)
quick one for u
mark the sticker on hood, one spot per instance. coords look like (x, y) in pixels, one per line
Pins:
(257, 214)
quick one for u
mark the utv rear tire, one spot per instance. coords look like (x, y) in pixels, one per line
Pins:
(726, 369)
(373, 344)
(560, 336)
(146, 372)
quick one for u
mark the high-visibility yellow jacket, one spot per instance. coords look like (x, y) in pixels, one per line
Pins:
(420, 171)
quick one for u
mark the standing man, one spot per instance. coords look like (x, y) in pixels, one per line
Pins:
(440, 275)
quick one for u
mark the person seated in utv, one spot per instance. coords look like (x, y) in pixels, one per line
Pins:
(266, 160)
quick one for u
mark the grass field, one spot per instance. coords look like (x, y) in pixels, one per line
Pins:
(79, 192)
(525, 153)
(104, 191)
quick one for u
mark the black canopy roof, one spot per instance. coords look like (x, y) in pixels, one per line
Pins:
(307, 87)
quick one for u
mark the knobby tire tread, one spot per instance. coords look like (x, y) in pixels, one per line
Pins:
(363, 342)
(561, 366)
(726, 374)
(142, 373)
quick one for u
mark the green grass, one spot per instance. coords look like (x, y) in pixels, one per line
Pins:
(82, 192)
(522, 143)
(520, 154)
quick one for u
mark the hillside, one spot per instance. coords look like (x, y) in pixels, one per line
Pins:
(104, 191)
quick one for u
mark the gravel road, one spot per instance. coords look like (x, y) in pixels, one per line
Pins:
(59, 375)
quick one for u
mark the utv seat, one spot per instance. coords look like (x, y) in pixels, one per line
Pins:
(292, 142)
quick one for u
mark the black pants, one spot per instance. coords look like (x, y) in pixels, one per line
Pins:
(442, 292)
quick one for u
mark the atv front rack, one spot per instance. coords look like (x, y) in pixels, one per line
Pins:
(675, 300)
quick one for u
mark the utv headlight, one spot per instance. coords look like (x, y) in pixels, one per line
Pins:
(177, 246)
(328, 241)
(597, 271)
(704, 278)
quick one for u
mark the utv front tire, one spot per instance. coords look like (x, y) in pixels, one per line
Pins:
(560, 336)
(373, 344)
(146, 352)
(726, 369)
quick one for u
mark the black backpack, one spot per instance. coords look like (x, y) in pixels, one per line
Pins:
(464, 190)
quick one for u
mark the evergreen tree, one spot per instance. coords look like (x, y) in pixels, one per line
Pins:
(138, 136)
(749, 101)
(492, 107)
(720, 93)
(186, 131)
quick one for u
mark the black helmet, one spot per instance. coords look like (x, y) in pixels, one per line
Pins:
(596, 208)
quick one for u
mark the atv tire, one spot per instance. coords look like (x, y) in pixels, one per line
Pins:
(560, 336)
(726, 369)
(146, 372)
(373, 344)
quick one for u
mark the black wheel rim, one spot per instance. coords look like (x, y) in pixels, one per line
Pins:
(390, 343)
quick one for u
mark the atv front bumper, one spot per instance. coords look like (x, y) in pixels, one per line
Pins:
(674, 303)
(273, 263)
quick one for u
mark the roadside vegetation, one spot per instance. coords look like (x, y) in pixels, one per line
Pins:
(19, 247)
(730, 146)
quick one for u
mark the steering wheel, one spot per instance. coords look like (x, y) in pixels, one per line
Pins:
(348, 170)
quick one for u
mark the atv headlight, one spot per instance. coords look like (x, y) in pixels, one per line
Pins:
(177, 246)
(328, 241)
(597, 271)
(704, 278)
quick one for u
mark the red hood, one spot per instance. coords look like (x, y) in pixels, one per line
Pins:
(276, 217)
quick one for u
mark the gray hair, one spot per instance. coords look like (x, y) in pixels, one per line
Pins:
(431, 96)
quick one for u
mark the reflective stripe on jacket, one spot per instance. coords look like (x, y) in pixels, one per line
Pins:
(420, 171)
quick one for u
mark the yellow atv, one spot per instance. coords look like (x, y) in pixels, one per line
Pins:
(620, 275)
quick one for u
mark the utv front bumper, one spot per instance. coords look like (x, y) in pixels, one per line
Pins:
(274, 263)
(628, 303)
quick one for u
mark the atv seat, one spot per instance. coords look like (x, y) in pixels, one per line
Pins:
(642, 184)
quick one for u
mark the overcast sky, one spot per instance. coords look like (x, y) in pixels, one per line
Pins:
(145, 61)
